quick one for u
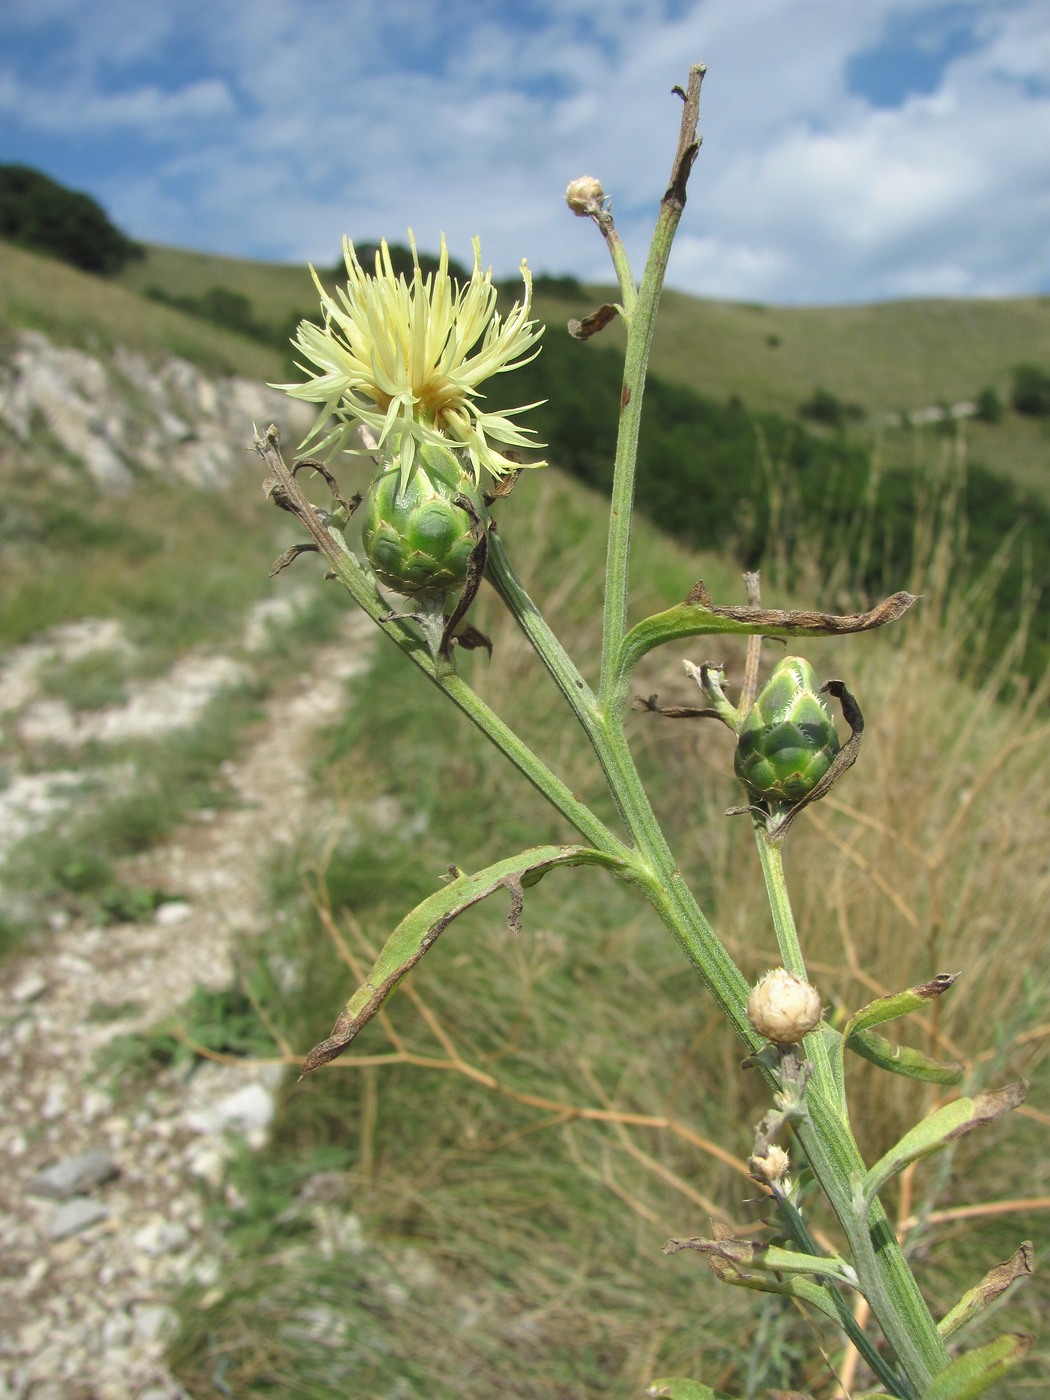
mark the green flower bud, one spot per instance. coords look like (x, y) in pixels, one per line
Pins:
(418, 541)
(787, 741)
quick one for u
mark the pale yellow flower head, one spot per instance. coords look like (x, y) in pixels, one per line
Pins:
(407, 358)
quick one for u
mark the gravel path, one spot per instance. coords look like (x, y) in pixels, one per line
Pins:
(89, 1254)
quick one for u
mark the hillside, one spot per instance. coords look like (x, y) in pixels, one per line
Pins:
(889, 358)
(218, 792)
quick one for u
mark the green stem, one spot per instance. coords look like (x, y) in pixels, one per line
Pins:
(796, 1227)
(769, 855)
(641, 323)
(362, 588)
(888, 1282)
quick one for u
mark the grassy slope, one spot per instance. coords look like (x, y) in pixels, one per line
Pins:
(552, 1233)
(74, 308)
(887, 358)
(897, 355)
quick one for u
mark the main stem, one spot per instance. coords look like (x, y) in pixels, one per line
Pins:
(884, 1273)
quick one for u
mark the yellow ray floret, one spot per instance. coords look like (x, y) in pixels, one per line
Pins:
(406, 358)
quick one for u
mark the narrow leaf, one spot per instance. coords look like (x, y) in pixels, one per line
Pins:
(975, 1372)
(418, 932)
(902, 1059)
(899, 1003)
(698, 616)
(952, 1121)
(995, 1282)
(746, 1254)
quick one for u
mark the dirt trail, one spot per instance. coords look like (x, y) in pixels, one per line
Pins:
(84, 1277)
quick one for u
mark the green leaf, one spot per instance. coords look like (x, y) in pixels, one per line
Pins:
(418, 932)
(746, 1254)
(995, 1282)
(899, 1004)
(975, 1372)
(902, 1059)
(677, 1388)
(952, 1121)
(698, 617)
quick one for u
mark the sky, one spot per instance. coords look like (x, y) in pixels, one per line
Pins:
(853, 150)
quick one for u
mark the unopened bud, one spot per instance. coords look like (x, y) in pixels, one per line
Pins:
(787, 741)
(585, 196)
(416, 536)
(771, 1167)
(783, 1007)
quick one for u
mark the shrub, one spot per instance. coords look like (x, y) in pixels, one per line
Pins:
(41, 214)
(1031, 391)
(827, 409)
(989, 406)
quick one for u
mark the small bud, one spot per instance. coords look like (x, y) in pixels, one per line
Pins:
(783, 1008)
(787, 741)
(771, 1167)
(585, 196)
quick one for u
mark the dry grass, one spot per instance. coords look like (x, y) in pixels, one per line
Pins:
(534, 1116)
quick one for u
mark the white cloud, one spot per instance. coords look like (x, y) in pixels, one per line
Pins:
(271, 126)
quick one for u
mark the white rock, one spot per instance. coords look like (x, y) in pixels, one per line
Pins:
(155, 1323)
(248, 1110)
(75, 1215)
(172, 912)
(159, 1237)
(28, 987)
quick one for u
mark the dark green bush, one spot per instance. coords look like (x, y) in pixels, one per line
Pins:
(825, 408)
(38, 213)
(989, 406)
(1031, 391)
(718, 476)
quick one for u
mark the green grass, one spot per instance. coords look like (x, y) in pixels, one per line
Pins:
(413, 1232)
(92, 313)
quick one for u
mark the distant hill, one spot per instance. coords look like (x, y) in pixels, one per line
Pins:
(887, 359)
(724, 400)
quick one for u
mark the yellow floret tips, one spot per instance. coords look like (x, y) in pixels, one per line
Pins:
(406, 358)
(783, 1008)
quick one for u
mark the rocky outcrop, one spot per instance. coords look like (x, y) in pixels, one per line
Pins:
(121, 416)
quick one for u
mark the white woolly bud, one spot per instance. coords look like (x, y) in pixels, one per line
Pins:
(585, 196)
(783, 1007)
(772, 1167)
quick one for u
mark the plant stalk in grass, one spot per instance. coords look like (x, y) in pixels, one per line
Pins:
(806, 1077)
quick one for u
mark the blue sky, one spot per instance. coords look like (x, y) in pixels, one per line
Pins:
(854, 150)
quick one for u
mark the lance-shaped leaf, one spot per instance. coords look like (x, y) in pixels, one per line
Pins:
(995, 1282)
(697, 616)
(902, 1059)
(898, 1004)
(418, 932)
(678, 1388)
(952, 1121)
(797, 1286)
(975, 1372)
(746, 1255)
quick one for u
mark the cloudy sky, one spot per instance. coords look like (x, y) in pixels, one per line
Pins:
(853, 150)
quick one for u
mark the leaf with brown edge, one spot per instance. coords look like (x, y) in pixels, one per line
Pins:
(995, 1282)
(417, 933)
(944, 1125)
(697, 616)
